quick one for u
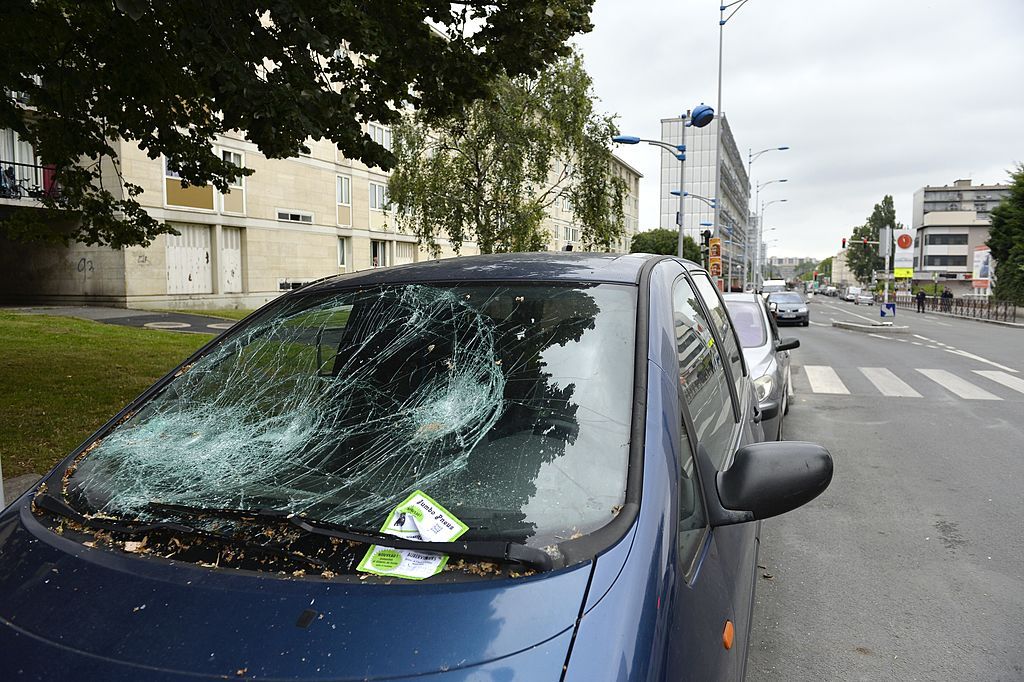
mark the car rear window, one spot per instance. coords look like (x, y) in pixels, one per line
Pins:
(749, 323)
(508, 404)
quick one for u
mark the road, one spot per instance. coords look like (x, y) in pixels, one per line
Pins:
(911, 565)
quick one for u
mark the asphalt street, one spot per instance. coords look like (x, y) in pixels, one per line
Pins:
(911, 565)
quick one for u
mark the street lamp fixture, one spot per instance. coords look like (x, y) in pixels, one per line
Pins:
(752, 156)
(699, 117)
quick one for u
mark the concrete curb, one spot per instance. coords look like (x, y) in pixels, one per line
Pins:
(16, 485)
(870, 328)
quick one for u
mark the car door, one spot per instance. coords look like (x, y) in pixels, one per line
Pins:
(739, 543)
(706, 598)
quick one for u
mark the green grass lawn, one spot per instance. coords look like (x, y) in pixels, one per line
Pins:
(63, 378)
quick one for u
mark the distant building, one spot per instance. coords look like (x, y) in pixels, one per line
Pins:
(293, 221)
(787, 267)
(950, 222)
(701, 158)
(564, 229)
(842, 276)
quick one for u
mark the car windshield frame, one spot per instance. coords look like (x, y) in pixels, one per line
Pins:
(625, 411)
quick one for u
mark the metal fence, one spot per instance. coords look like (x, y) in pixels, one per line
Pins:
(979, 308)
(27, 180)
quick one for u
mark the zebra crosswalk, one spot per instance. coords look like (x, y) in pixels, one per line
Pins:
(981, 384)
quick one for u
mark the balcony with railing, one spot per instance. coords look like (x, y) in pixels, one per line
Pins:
(27, 181)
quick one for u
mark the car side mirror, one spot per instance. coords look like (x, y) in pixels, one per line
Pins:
(787, 344)
(764, 480)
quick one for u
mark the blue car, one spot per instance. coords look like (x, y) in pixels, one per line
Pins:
(517, 467)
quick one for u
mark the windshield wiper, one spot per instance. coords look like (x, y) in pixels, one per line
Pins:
(49, 503)
(496, 550)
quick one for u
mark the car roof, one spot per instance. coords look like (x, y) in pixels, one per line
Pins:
(741, 296)
(535, 266)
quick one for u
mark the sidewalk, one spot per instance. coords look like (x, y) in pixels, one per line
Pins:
(16, 485)
(127, 317)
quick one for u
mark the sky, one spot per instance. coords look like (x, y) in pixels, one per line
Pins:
(873, 97)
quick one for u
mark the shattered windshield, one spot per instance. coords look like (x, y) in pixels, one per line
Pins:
(508, 404)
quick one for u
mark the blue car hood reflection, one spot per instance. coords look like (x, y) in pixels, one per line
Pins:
(96, 614)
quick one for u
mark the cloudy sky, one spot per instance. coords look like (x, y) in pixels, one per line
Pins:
(874, 97)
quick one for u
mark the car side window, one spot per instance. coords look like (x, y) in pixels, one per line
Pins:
(702, 377)
(720, 317)
(692, 519)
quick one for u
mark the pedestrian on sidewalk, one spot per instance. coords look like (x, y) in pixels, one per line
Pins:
(947, 300)
(920, 300)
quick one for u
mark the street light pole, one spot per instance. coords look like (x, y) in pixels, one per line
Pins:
(752, 156)
(722, 19)
(760, 232)
(699, 117)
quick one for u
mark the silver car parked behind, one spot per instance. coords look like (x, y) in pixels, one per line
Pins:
(767, 358)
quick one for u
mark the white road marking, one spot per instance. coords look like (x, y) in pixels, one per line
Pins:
(1016, 383)
(824, 379)
(923, 338)
(972, 356)
(916, 343)
(955, 384)
(879, 336)
(819, 324)
(167, 325)
(847, 312)
(889, 384)
(221, 325)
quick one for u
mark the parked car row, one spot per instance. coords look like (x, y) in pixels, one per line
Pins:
(525, 466)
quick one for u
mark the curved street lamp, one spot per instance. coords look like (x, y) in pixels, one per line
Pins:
(699, 117)
(753, 156)
(760, 236)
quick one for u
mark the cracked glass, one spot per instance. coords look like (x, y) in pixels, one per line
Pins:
(508, 403)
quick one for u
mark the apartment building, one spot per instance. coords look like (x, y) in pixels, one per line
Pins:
(951, 223)
(702, 157)
(566, 230)
(292, 221)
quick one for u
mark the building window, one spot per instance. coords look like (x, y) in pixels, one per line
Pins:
(292, 216)
(344, 191)
(235, 158)
(342, 251)
(379, 134)
(946, 261)
(189, 196)
(566, 204)
(570, 233)
(378, 196)
(378, 253)
(947, 240)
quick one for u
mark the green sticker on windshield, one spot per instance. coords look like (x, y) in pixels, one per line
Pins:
(418, 517)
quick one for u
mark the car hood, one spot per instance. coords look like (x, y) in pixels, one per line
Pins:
(758, 360)
(65, 606)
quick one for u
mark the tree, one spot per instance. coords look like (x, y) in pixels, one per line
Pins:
(864, 260)
(665, 242)
(825, 268)
(170, 76)
(491, 174)
(1006, 240)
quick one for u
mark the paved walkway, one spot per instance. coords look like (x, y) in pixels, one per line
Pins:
(175, 322)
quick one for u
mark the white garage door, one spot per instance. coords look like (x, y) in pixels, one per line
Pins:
(188, 260)
(231, 259)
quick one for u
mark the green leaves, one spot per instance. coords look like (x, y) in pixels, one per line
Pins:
(170, 76)
(491, 174)
(864, 260)
(666, 242)
(1006, 240)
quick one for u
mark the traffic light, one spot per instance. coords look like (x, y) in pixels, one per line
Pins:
(865, 242)
(844, 242)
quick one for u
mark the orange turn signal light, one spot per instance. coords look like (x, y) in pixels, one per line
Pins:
(728, 634)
